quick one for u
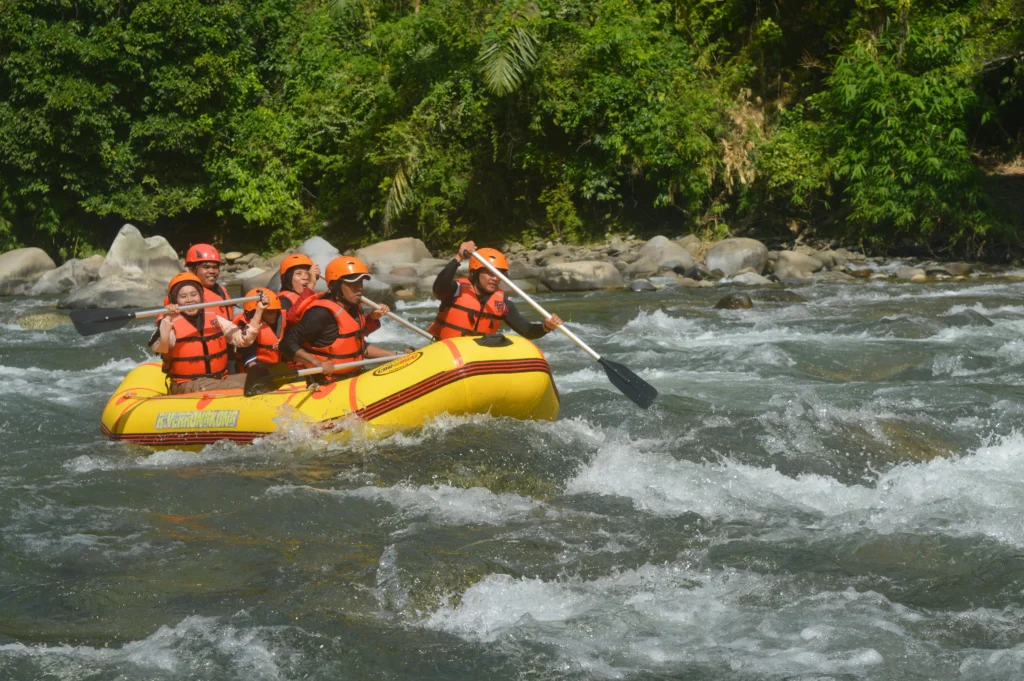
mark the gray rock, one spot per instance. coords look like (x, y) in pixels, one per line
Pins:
(793, 265)
(621, 265)
(527, 285)
(687, 282)
(517, 269)
(322, 252)
(773, 296)
(967, 318)
(750, 279)
(406, 250)
(71, 275)
(430, 266)
(733, 255)
(735, 301)
(22, 267)
(664, 254)
(403, 272)
(254, 277)
(379, 292)
(958, 269)
(691, 244)
(232, 256)
(639, 285)
(588, 275)
(908, 273)
(131, 253)
(128, 289)
(642, 267)
(42, 321)
(835, 277)
(938, 273)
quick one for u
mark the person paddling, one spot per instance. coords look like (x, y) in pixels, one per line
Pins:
(194, 343)
(265, 349)
(476, 306)
(331, 328)
(299, 275)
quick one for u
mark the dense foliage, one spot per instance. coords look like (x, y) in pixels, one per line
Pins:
(259, 122)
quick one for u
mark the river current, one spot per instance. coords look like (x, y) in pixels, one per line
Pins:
(831, 489)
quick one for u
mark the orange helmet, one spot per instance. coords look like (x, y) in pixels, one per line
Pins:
(201, 253)
(492, 256)
(294, 260)
(181, 279)
(275, 302)
(346, 267)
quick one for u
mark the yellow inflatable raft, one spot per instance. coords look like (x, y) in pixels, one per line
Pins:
(456, 376)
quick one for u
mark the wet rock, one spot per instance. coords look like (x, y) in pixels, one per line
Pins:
(794, 265)
(131, 253)
(405, 294)
(834, 278)
(517, 269)
(621, 265)
(776, 296)
(639, 285)
(908, 273)
(797, 279)
(861, 274)
(687, 282)
(735, 301)
(918, 279)
(958, 269)
(967, 318)
(937, 273)
(232, 256)
(71, 275)
(527, 285)
(659, 254)
(731, 256)
(245, 259)
(403, 272)
(750, 279)
(379, 292)
(581, 276)
(21, 268)
(406, 250)
(42, 321)
(128, 289)
(878, 276)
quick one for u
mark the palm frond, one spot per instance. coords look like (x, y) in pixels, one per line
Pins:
(505, 63)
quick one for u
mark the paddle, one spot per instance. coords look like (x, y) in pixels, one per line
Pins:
(629, 384)
(91, 322)
(392, 315)
(264, 378)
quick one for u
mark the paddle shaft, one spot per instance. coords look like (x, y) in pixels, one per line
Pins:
(393, 316)
(196, 306)
(536, 306)
(347, 365)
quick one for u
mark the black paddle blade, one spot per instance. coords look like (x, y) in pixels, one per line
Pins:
(632, 386)
(91, 322)
(265, 378)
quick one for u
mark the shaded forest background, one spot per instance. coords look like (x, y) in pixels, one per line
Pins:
(257, 123)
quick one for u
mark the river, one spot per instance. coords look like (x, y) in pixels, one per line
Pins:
(824, 490)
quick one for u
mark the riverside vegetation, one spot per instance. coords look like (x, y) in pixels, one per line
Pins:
(263, 123)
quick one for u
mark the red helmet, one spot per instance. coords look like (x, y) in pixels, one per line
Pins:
(347, 268)
(273, 304)
(202, 253)
(492, 256)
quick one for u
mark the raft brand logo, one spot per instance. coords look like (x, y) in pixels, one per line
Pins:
(196, 419)
(398, 364)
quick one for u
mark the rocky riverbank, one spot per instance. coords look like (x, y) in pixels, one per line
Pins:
(135, 269)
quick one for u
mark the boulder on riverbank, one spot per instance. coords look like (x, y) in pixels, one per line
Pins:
(393, 253)
(794, 265)
(588, 275)
(128, 289)
(71, 275)
(131, 253)
(659, 254)
(732, 256)
(735, 301)
(21, 268)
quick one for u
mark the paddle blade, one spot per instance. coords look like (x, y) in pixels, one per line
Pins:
(629, 384)
(265, 378)
(91, 322)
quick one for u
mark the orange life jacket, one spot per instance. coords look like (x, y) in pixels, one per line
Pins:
(464, 316)
(196, 355)
(350, 344)
(290, 301)
(267, 340)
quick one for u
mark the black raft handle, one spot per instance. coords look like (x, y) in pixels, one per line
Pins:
(494, 340)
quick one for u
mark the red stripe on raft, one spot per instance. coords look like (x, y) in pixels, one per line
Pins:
(455, 352)
(367, 413)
